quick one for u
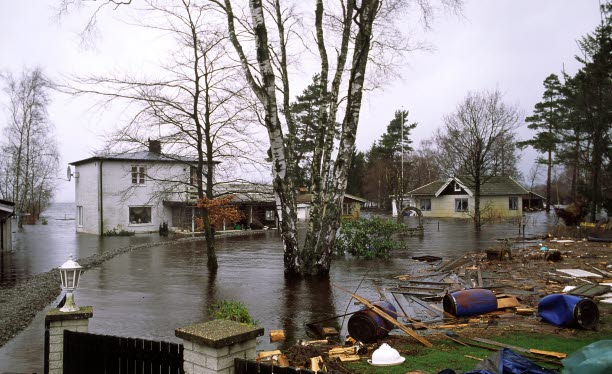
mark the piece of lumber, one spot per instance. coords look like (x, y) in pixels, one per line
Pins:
(548, 353)
(579, 273)
(480, 283)
(315, 363)
(342, 351)
(387, 317)
(277, 336)
(521, 349)
(315, 342)
(507, 302)
(328, 330)
(525, 311)
(269, 353)
(473, 358)
(453, 326)
(349, 358)
(606, 273)
(446, 314)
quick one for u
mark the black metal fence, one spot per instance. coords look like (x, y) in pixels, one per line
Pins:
(105, 354)
(242, 366)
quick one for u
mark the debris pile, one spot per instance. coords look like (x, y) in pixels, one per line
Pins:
(545, 285)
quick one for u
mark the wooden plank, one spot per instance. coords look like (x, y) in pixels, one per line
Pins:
(446, 314)
(548, 353)
(387, 317)
(507, 302)
(579, 273)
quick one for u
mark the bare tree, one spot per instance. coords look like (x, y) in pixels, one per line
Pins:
(29, 155)
(199, 108)
(352, 29)
(468, 140)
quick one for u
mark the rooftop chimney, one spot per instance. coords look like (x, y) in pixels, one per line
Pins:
(154, 146)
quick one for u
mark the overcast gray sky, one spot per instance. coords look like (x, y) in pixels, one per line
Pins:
(511, 45)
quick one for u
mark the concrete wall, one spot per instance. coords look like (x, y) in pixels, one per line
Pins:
(491, 207)
(119, 194)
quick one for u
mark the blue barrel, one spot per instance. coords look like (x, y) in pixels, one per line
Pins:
(469, 302)
(368, 327)
(569, 310)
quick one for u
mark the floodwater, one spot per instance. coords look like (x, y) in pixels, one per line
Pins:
(149, 293)
(40, 248)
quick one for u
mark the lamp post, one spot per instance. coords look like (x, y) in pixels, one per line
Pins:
(70, 273)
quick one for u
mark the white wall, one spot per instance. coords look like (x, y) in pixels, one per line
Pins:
(86, 195)
(119, 194)
(444, 206)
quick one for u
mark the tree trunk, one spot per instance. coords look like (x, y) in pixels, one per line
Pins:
(548, 181)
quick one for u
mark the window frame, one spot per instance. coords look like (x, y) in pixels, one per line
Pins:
(421, 201)
(269, 215)
(467, 206)
(140, 223)
(457, 187)
(512, 206)
(139, 175)
(79, 216)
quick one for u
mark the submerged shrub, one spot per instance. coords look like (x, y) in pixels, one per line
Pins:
(118, 231)
(369, 237)
(232, 311)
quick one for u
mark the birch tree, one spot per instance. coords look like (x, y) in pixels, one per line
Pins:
(29, 154)
(359, 28)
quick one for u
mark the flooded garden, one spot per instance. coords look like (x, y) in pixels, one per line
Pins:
(150, 292)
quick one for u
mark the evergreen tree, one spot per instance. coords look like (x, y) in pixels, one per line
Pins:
(356, 174)
(546, 120)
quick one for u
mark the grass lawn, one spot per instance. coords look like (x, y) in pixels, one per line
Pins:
(448, 354)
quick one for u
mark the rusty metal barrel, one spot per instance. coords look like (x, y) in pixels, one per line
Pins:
(366, 326)
(469, 302)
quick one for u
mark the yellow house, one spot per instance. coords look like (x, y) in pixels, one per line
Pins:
(500, 197)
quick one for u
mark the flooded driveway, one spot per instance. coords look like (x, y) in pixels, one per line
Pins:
(150, 292)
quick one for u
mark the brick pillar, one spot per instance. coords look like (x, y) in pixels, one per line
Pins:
(55, 324)
(212, 346)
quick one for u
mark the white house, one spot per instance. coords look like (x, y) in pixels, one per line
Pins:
(500, 197)
(127, 191)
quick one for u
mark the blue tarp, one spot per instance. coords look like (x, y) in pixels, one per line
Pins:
(505, 361)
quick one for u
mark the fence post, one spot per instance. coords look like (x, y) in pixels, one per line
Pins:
(55, 324)
(212, 347)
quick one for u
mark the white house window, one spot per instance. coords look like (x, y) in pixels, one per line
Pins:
(461, 205)
(269, 215)
(457, 187)
(426, 204)
(513, 203)
(140, 215)
(138, 174)
(79, 215)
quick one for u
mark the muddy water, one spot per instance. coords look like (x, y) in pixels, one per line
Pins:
(148, 293)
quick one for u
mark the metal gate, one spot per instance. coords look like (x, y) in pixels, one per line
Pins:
(105, 354)
(251, 367)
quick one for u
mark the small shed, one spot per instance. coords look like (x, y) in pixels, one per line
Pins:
(351, 206)
(7, 210)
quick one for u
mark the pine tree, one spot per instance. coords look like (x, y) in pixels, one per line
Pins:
(547, 120)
